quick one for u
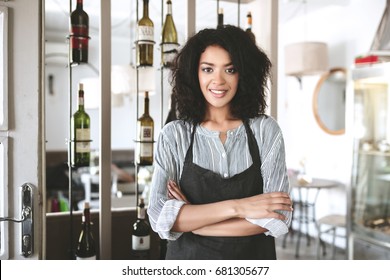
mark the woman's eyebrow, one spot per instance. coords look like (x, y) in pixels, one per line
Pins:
(212, 64)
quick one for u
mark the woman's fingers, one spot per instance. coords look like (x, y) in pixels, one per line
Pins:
(265, 205)
(174, 192)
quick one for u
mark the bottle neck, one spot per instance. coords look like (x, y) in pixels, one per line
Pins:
(86, 217)
(249, 23)
(141, 213)
(79, 4)
(146, 9)
(146, 104)
(81, 100)
(220, 17)
(169, 8)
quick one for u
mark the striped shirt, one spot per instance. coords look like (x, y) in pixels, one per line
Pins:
(226, 159)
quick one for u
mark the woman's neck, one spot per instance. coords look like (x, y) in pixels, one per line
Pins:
(222, 122)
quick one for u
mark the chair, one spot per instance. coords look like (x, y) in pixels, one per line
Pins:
(330, 224)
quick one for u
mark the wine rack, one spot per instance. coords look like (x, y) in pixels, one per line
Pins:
(71, 143)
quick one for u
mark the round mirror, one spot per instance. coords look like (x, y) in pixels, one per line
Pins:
(329, 101)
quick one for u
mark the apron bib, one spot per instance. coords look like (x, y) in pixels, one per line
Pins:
(202, 186)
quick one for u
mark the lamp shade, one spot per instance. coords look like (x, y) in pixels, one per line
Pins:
(124, 79)
(92, 94)
(306, 58)
(146, 80)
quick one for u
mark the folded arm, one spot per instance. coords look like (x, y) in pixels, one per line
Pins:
(228, 217)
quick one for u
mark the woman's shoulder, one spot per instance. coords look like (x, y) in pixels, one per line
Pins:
(264, 123)
(176, 128)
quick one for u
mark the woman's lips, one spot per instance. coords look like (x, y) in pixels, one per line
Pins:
(218, 93)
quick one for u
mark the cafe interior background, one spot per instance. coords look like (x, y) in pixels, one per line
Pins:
(347, 28)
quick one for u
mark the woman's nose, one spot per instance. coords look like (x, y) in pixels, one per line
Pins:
(218, 77)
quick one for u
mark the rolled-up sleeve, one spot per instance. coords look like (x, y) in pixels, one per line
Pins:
(163, 211)
(274, 173)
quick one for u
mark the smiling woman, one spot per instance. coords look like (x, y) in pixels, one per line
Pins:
(209, 161)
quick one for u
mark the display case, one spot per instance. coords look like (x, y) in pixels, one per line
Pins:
(369, 196)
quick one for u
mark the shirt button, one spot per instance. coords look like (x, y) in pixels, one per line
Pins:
(223, 155)
(225, 175)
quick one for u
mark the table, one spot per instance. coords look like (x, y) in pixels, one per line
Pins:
(305, 204)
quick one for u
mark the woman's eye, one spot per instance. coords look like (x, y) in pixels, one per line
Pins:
(207, 69)
(231, 71)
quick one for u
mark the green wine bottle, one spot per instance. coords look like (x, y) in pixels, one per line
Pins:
(145, 38)
(81, 133)
(168, 38)
(145, 129)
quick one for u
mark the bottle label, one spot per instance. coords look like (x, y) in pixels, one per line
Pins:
(146, 133)
(140, 242)
(168, 53)
(86, 258)
(79, 38)
(145, 34)
(83, 134)
(145, 149)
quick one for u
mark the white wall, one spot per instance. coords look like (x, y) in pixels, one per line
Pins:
(348, 27)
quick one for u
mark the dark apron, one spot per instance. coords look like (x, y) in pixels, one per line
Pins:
(202, 186)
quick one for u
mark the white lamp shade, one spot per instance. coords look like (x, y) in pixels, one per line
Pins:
(123, 79)
(306, 58)
(92, 94)
(146, 80)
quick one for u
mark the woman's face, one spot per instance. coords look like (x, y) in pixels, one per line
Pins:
(218, 79)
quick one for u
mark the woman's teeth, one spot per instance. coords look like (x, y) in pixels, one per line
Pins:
(217, 91)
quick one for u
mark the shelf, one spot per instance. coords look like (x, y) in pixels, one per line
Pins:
(374, 153)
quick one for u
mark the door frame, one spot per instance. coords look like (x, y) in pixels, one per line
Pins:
(24, 135)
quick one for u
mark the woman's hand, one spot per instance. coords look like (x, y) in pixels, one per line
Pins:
(264, 205)
(174, 192)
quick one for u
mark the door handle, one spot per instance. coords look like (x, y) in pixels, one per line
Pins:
(26, 219)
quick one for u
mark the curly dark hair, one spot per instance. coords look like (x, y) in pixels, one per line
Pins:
(251, 62)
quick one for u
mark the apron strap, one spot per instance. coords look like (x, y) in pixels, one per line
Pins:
(253, 147)
(189, 157)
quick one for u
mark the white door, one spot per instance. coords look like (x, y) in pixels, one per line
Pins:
(21, 130)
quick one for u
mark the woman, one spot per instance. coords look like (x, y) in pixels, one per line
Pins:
(220, 187)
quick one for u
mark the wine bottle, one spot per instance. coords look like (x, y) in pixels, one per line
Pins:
(140, 235)
(81, 133)
(249, 26)
(145, 38)
(86, 249)
(145, 129)
(220, 18)
(79, 25)
(168, 38)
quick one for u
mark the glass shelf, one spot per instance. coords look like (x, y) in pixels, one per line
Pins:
(370, 187)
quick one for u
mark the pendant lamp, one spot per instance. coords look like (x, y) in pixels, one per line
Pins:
(306, 58)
